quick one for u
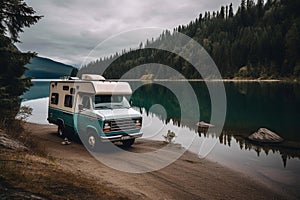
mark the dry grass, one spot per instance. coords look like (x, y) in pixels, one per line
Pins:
(30, 174)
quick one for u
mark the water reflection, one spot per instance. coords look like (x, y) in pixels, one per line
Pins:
(287, 149)
(272, 105)
(287, 152)
(250, 106)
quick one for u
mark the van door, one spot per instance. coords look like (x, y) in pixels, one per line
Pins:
(85, 116)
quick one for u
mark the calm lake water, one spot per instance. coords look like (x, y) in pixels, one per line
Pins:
(250, 106)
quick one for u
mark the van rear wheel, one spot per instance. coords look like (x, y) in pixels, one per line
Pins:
(60, 131)
(128, 143)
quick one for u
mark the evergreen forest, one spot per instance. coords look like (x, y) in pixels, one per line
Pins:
(260, 40)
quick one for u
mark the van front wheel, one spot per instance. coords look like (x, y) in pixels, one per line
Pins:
(128, 143)
(92, 141)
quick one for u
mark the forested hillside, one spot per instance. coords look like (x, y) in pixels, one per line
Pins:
(44, 68)
(260, 40)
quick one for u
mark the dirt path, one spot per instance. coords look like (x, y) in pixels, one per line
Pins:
(187, 178)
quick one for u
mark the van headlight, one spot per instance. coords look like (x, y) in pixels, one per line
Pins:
(106, 127)
(138, 123)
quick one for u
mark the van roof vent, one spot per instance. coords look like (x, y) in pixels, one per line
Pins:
(92, 77)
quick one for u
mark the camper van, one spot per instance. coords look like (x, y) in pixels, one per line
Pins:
(95, 109)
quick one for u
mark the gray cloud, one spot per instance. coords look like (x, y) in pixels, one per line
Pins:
(70, 29)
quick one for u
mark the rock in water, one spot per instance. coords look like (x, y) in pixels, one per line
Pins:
(265, 136)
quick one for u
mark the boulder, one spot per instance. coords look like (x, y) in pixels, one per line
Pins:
(265, 136)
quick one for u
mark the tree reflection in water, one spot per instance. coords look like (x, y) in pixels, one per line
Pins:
(249, 107)
(287, 149)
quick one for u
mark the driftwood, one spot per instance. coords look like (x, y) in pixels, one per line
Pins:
(203, 124)
(265, 136)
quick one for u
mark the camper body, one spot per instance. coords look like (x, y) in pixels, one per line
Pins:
(95, 109)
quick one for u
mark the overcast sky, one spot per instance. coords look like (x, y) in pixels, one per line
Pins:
(71, 29)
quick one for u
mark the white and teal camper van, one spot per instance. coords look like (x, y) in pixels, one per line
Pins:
(95, 109)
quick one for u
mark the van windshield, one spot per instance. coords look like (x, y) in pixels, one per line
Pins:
(111, 102)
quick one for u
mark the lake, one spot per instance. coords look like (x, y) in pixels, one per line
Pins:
(250, 106)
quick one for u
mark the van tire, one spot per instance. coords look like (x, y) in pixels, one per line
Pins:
(60, 131)
(92, 141)
(128, 143)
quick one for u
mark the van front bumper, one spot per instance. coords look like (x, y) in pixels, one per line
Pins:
(114, 138)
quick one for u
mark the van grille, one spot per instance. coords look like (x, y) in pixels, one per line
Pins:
(123, 124)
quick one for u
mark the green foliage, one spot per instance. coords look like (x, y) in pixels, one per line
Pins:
(14, 16)
(297, 69)
(24, 113)
(170, 136)
(74, 72)
(264, 37)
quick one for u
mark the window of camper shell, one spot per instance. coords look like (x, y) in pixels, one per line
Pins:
(68, 101)
(111, 102)
(72, 91)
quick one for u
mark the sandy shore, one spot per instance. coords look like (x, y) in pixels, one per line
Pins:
(187, 178)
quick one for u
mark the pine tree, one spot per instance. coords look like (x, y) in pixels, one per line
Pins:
(226, 15)
(14, 16)
(249, 4)
(222, 12)
(243, 6)
(292, 44)
(260, 4)
(230, 15)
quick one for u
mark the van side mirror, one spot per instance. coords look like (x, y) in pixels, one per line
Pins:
(80, 107)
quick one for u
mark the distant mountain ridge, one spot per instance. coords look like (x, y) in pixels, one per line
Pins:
(45, 68)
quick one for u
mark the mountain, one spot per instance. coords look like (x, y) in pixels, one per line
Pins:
(44, 68)
(260, 40)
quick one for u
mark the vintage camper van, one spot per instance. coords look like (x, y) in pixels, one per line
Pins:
(95, 109)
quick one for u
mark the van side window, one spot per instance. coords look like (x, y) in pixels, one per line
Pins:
(65, 87)
(54, 98)
(72, 91)
(68, 101)
(86, 102)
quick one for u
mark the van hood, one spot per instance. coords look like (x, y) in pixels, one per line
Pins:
(109, 114)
